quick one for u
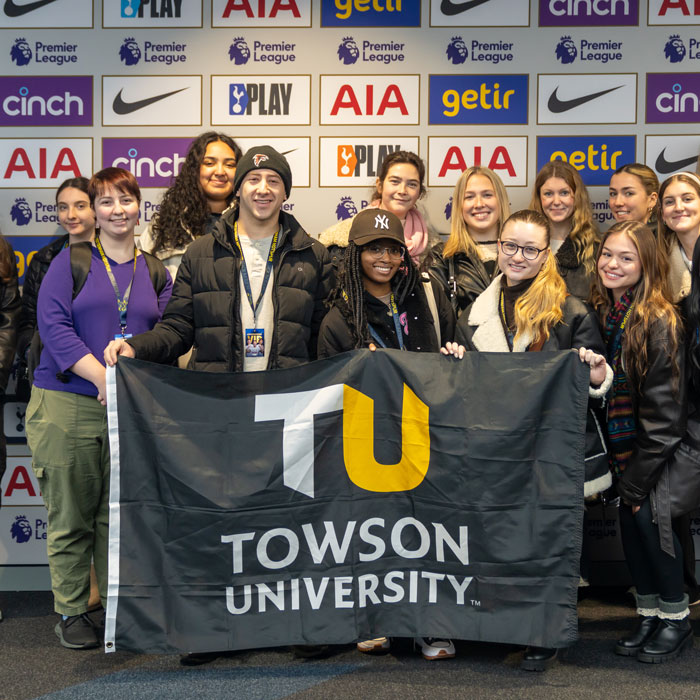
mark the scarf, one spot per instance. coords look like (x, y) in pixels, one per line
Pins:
(621, 426)
(415, 231)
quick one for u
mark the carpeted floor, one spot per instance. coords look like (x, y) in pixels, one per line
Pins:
(34, 665)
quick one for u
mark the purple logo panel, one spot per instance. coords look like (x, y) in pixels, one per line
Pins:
(46, 100)
(589, 13)
(154, 162)
(673, 98)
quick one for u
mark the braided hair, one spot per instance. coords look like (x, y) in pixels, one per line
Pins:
(348, 294)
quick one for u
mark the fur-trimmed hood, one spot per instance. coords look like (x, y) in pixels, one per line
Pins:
(337, 234)
(678, 274)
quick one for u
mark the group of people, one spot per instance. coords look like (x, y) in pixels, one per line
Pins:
(225, 280)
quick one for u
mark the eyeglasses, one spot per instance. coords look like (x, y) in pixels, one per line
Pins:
(529, 251)
(393, 251)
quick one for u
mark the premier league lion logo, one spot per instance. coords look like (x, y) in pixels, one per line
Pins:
(239, 52)
(674, 49)
(20, 52)
(21, 212)
(348, 51)
(457, 50)
(21, 530)
(448, 209)
(566, 50)
(346, 209)
(130, 53)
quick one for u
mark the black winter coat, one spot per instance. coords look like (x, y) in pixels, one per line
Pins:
(33, 278)
(471, 276)
(336, 336)
(204, 310)
(578, 281)
(660, 417)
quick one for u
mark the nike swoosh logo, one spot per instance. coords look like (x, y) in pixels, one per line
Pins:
(12, 10)
(664, 166)
(558, 106)
(456, 8)
(121, 107)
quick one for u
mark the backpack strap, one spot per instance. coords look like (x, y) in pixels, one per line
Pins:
(81, 259)
(430, 296)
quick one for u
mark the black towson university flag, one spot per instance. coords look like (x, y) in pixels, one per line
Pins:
(386, 493)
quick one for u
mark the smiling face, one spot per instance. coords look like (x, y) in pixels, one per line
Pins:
(380, 260)
(216, 174)
(516, 267)
(628, 198)
(680, 208)
(557, 200)
(480, 208)
(619, 265)
(261, 195)
(75, 214)
(116, 213)
(400, 189)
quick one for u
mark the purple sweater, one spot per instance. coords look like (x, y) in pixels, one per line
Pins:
(72, 328)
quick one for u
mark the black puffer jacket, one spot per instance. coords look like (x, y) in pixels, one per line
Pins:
(30, 291)
(659, 414)
(471, 276)
(336, 336)
(204, 310)
(578, 280)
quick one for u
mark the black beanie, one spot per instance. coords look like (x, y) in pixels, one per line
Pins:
(260, 157)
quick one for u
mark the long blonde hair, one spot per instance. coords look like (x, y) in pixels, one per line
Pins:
(584, 234)
(539, 309)
(460, 241)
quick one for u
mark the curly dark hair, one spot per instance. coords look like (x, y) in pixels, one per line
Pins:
(349, 291)
(184, 209)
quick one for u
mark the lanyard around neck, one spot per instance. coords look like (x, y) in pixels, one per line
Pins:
(244, 272)
(397, 326)
(122, 301)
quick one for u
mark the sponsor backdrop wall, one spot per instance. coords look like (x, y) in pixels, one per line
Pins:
(335, 85)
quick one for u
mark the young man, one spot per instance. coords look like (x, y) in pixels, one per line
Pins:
(259, 262)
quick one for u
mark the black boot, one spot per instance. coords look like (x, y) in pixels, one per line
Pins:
(538, 658)
(630, 645)
(669, 640)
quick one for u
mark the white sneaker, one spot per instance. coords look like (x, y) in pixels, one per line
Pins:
(374, 646)
(433, 648)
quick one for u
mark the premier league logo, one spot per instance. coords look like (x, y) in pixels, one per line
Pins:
(457, 50)
(348, 51)
(239, 52)
(20, 52)
(346, 209)
(448, 209)
(21, 212)
(130, 53)
(21, 530)
(674, 49)
(566, 50)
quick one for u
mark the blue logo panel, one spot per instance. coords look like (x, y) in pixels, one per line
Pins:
(595, 157)
(377, 13)
(237, 98)
(25, 247)
(478, 99)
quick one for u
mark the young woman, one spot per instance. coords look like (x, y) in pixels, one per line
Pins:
(679, 226)
(66, 420)
(398, 188)
(381, 300)
(195, 201)
(633, 193)
(527, 309)
(77, 218)
(560, 195)
(646, 421)
(466, 263)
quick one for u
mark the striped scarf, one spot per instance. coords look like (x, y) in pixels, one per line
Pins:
(621, 426)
